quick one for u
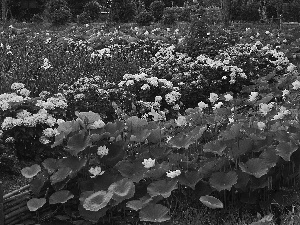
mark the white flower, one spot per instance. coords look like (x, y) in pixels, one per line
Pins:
(49, 132)
(267, 32)
(228, 97)
(145, 87)
(181, 121)
(285, 92)
(231, 120)
(265, 108)
(79, 96)
(213, 97)
(17, 86)
(25, 92)
(218, 105)
(60, 121)
(129, 82)
(158, 98)
(9, 140)
(173, 174)
(253, 96)
(261, 125)
(102, 151)
(148, 163)
(224, 78)
(97, 124)
(96, 171)
(44, 140)
(202, 105)
(46, 64)
(296, 85)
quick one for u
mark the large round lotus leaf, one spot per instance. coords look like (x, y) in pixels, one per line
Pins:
(216, 147)
(256, 167)
(181, 140)
(35, 203)
(154, 213)
(60, 175)
(91, 215)
(134, 124)
(190, 178)
(60, 197)
(122, 189)
(162, 187)
(223, 181)
(269, 156)
(211, 202)
(88, 117)
(78, 142)
(97, 200)
(50, 165)
(30, 172)
(286, 149)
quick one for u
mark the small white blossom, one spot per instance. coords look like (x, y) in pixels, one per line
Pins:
(181, 121)
(96, 171)
(218, 105)
(148, 163)
(253, 96)
(158, 98)
(213, 97)
(97, 124)
(296, 85)
(228, 97)
(265, 108)
(173, 174)
(202, 105)
(102, 151)
(145, 87)
(261, 125)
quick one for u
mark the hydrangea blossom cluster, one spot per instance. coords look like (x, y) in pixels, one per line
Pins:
(27, 119)
(102, 151)
(52, 103)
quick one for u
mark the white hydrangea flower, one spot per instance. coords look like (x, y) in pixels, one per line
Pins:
(158, 98)
(49, 132)
(296, 85)
(145, 87)
(97, 124)
(265, 108)
(218, 105)
(253, 96)
(181, 121)
(17, 86)
(213, 97)
(202, 105)
(228, 97)
(23, 114)
(9, 140)
(25, 92)
(173, 174)
(59, 121)
(44, 140)
(148, 163)
(102, 151)
(285, 92)
(129, 82)
(96, 171)
(261, 125)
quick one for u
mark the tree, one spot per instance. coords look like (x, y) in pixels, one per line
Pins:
(4, 10)
(226, 11)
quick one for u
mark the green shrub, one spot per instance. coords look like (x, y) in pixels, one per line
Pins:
(169, 17)
(157, 10)
(93, 10)
(58, 12)
(123, 11)
(291, 12)
(84, 18)
(144, 18)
